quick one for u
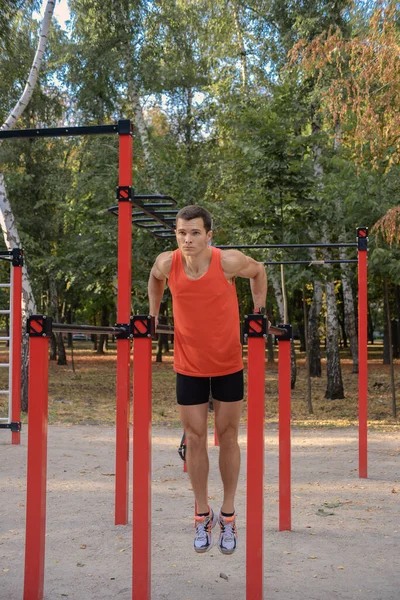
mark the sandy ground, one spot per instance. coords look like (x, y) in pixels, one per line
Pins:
(344, 543)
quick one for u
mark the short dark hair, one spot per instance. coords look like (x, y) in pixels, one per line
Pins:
(194, 212)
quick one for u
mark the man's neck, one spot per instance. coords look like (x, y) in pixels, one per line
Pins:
(198, 263)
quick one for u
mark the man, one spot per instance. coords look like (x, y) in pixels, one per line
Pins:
(207, 355)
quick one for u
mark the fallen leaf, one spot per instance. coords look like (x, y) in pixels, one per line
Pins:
(313, 557)
(223, 576)
(340, 567)
(83, 546)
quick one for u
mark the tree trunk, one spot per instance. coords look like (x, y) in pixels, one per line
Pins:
(24, 100)
(7, 220)
(334, 388)
(105, 321)
(313, 331)
(241, 47)
(349, 312)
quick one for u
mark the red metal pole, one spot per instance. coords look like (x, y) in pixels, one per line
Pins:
(141, 520)
(37, 468)
(123, 316)
(362, 365)
(255, 469)
(284, 368)
(16, 350)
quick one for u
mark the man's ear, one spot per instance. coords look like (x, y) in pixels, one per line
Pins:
(209, 235)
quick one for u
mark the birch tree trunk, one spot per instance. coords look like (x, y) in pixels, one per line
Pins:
(241, 47)
(349, 312)
(7, 220)
(334, 389)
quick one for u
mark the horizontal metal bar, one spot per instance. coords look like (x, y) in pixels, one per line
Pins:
(6, 253)
(4, 391)
(5, 311)
(5, 285)
(66, 328)
(4, 339)
(59, 131)
(4, 365)
(165, 329)
(309, 262)
(265, 246)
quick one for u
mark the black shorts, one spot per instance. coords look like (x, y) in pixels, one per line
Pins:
(196, 390)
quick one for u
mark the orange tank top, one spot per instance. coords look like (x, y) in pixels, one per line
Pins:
(206, 320)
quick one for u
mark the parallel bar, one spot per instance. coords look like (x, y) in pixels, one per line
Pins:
(16, 349)
(333, 245)
(5, 285)
(141, 520)
(4, 312)
(37, 468)
(58, 131)
(4, 365)
(4, 391)
(284, 367)
(310, 262)
(4, 338)
(123, 345)
(255, 470)
(71, 328)
(362, 365)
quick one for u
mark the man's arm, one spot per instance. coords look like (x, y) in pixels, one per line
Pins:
(157, 280)
(237, 264)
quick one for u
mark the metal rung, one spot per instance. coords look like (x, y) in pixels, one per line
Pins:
(4, 419)
(4, 339)
(4, 365)
(5, 285)
(4, 391)
(5, 312)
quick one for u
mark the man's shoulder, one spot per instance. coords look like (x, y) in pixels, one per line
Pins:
(232, 259)
(164, 262)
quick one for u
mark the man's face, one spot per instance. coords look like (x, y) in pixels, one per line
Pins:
(191, 236)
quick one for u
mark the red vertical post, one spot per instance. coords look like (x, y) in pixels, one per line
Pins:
(362, 239)
(37, 467)
(284, 379)
(124, 194)
(16, 344)
(142, 411)
(255, 457)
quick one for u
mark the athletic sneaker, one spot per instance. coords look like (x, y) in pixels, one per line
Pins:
(203, 540)
(228, 538)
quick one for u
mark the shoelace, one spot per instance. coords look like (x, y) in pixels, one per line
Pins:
(228, 529)
(202, 528)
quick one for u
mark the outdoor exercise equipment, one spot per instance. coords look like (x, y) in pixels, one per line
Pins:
(362, 247)
(13, 419)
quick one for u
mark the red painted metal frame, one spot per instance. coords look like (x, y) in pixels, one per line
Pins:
(362, 365)
(123, 345)
(16, 350)
(284, 379)
(37, 468)
(141, 519)
(255, 469)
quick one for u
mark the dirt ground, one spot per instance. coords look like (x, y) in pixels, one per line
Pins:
(344, 543)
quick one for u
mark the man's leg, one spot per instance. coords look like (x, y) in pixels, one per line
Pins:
(194, 421)
(227, 417)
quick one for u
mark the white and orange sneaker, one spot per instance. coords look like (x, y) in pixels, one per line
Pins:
(228, 538)
(203, 539)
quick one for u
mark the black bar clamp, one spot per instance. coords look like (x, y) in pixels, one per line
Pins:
(362, 238)
(124, 193)
(39, 326)
(17, 257)
(142, 326)
(255, 326)
(15, 426)
(287, 336)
